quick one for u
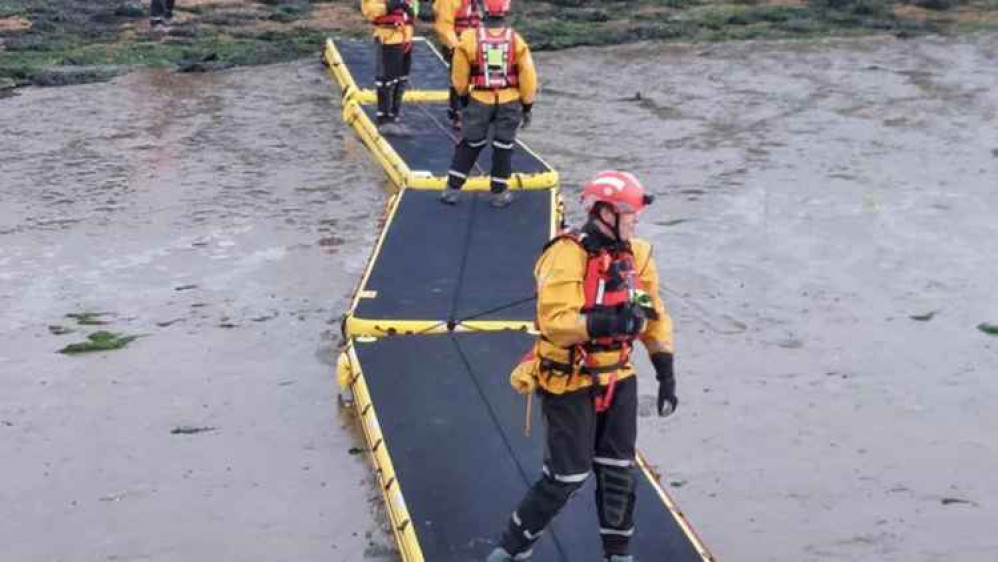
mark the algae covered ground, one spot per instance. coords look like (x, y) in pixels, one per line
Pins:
(55, 42)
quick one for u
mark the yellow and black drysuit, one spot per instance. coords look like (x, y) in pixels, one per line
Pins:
(493, 72)
(451, 19)
(595, 297)
(393, 31)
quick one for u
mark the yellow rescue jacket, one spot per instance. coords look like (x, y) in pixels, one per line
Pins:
(374, 9)
(445, 13)
(467, 53)
(560, 274)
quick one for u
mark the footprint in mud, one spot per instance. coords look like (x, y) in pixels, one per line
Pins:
(331, 242)
(673, 222)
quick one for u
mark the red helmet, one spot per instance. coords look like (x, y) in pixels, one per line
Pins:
(497, 8)
(620, 190)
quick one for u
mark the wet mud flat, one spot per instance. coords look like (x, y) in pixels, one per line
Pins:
(826, 234)
(824, 230)
(224, 219)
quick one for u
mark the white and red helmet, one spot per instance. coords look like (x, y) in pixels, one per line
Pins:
(496, 8)
(619, 190)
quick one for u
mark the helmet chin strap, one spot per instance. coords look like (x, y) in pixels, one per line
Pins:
(615, 227)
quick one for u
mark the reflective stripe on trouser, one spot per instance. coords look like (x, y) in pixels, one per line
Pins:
(577, 441)
(502, 165)
(478, 121)
(398, 90)
(391, 73)
(465, 155)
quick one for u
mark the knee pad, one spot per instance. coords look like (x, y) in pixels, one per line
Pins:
(615, 495)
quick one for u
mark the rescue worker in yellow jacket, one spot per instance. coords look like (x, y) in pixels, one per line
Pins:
(493, 74)
(597, 292)
(452, 18)
(393, 30)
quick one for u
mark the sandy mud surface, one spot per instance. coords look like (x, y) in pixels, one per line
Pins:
(813, 199)
(225, 218)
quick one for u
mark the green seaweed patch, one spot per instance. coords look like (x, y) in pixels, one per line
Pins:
(286, 14)
(988, 328)
(99, 341)
(89, 318)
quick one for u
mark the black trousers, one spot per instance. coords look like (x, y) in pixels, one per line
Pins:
(503, 120)
(159, 9)
(454, 105)
(581, 443)
(391, 78)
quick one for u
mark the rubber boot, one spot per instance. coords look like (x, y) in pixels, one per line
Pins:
(501, 200)
(450, 196)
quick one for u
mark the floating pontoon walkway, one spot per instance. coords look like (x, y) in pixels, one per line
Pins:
(448, 442)
(469, 267)
(352, 63)
(421, 157)
(442, 313)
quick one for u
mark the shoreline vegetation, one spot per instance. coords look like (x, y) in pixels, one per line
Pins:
(59, 42)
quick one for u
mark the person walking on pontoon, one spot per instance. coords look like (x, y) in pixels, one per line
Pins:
(493, 75)
(597, 292)
(393, 30)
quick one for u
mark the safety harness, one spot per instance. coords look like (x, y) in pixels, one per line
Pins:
(610, 281)
(495, 66)
(398, 18)
(467, 17)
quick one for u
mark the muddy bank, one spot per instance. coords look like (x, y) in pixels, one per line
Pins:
(225, 218)
(58, 42)
(817, 204)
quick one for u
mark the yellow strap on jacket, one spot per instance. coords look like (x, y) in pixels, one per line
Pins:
(373, 9)
(559, 274)
(467, 52)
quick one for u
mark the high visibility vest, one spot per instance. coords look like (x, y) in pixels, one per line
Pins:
(398, 18)
(467, 17)
(610, 281)
(495, 66)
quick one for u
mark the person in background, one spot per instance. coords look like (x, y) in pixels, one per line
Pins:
(493, 74)
(393, 22)
(160, 13)
(452, 18)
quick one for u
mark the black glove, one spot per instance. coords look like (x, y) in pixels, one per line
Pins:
(667, 401)
(464, 100)
(528, 115)
(395, 5)
(620, 321)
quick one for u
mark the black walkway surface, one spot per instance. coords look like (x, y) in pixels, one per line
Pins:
(428, 144)
(441, 262)
(454, 430)
(429, 72)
